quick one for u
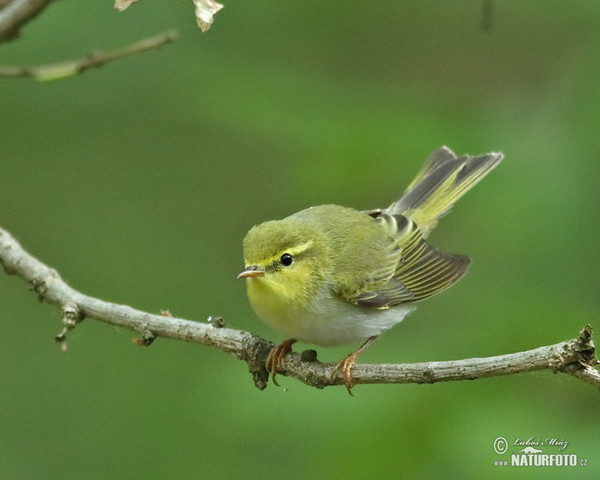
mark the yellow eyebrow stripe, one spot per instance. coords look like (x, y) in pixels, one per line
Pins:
(293, 251)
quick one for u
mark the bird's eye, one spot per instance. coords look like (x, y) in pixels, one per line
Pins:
(286, 259)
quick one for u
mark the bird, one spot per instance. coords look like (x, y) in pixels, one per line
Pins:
(331, 275)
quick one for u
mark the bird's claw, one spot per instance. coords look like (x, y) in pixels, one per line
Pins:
(275, 357)
(345, 366)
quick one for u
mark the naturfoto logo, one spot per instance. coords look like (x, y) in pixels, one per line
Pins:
(536, 452)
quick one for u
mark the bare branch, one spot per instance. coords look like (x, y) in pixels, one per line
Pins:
(97, 59)
(16, 13)
(575, 357)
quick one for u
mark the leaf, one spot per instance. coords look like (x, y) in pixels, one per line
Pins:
(121, 5)
(205, 10)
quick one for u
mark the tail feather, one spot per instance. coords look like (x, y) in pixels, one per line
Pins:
(442, 180)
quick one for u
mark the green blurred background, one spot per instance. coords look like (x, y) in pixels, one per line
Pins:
(138, 181)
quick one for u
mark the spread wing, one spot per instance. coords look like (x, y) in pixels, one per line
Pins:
(421, 270)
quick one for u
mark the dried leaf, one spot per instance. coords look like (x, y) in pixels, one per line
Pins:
(123, 4)
(205, 10)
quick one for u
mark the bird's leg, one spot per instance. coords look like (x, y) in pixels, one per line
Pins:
(276, 356)
(347, 363)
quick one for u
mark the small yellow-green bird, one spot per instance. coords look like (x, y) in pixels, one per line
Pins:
(331, 275)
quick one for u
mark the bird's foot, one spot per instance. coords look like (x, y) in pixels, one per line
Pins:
(346, 367)
(276, 355)
(347, 363)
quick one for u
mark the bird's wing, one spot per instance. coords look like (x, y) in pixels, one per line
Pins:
(421, 270)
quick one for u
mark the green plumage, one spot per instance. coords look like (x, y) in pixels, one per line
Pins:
(346, 263)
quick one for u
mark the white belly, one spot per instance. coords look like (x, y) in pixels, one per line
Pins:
(331, 321)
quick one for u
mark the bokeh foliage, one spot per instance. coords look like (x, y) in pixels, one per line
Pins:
(138, 181)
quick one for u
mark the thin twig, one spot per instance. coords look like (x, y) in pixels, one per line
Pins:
(16, 13)
(70, 68)
(575, 357)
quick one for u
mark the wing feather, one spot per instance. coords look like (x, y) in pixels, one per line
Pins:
(421, 269)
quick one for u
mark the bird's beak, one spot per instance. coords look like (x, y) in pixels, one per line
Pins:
(251, 271)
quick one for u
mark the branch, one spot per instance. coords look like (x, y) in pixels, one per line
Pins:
(16, 13)
(575, 357)
(73, 67)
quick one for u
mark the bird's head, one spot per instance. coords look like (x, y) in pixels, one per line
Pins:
(286, 257)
